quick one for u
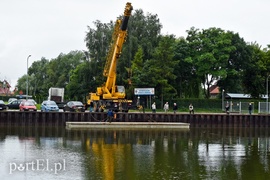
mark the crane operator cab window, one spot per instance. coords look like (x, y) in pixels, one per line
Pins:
(120, 89)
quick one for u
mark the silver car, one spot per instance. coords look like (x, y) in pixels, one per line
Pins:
(11, 99)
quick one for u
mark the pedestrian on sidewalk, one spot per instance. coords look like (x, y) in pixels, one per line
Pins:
(227, 107)
(166, 107)
(154, 107)
(250, 108)
(191, 109)
(174, 108)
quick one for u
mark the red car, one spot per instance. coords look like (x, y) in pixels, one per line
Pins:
(27, 106)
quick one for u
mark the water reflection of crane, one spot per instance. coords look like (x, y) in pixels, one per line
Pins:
(108, 151)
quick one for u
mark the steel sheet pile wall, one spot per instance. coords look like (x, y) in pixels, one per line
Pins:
(195, 120)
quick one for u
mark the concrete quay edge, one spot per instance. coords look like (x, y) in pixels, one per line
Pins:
(142, 125)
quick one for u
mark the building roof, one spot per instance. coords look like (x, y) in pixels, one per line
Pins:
(264, 96)
(214, 90)
(237, 96)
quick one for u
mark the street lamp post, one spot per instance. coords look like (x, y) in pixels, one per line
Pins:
(27, 78)
(267, 110)
(222, 99)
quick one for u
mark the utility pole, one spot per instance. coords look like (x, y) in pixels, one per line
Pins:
(27, 78)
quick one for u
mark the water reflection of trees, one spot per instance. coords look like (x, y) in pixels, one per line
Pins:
(198, 153)
(234, 153)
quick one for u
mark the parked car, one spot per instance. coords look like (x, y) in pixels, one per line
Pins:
(29, 100)
(33, 101)
(49, 106)
(27, 106)
(2, 105)
(74, 106)
(11, 99)
(15, 104)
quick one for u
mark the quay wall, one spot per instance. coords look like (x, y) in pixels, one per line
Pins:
(195, 120)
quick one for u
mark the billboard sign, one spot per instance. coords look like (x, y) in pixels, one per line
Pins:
(144, 91)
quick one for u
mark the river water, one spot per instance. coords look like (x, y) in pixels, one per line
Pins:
(58, 153)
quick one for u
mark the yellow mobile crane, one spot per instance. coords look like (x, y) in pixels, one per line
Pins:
(111, 95)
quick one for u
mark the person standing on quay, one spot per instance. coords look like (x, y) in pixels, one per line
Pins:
(154, 107)
(174, 108)
(191, 109)
(166, 107)
(250, 108)
(110, 115)
(227, 107)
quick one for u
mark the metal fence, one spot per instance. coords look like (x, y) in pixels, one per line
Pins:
(234, 106)
(264, 108)
(244, 107)
(239, 107)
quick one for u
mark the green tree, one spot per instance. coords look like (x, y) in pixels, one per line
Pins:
(21, 83)
(143, 32)
(158, 72)
(59, 68)
(237, 62)
(255, 73)
(78, 87)
(38, 73)
(137, 66)
(44, 74)
(187, 83)
(267, 62)
(212, 48)
(98, 40)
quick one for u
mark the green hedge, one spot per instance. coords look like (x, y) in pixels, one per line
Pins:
(204, 104)
(183, 104)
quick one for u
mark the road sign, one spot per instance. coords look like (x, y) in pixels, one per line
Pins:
(144, 91)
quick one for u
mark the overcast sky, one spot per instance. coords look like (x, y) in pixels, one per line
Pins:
(46, 28)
